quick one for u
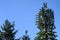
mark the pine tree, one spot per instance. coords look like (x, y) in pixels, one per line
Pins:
(45, 23)
(8, 32)
(25, 37)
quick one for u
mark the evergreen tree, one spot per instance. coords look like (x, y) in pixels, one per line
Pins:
(25, 37)
(45, 23)
(8, 32)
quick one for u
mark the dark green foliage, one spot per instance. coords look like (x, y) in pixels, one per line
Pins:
(25, 37)
(45, 23)
(8, 32)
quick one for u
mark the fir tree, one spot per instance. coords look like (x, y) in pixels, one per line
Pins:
(45, 23)
(25, 37)
(8, 32)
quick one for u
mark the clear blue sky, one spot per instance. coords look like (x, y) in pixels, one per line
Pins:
(23, 13)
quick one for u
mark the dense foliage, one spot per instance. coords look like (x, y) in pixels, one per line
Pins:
(8, 32)
(45, 23)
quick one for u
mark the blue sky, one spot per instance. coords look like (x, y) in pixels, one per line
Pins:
(23, 13)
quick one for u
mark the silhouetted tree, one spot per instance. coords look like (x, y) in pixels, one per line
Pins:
(8, 32)
(25, 37)
(45, 23)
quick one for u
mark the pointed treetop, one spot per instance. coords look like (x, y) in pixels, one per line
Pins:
(26, 32)
(45, 5)
(6, 20)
